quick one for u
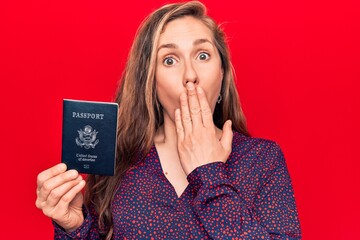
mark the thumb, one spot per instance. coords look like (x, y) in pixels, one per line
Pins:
(227, 136)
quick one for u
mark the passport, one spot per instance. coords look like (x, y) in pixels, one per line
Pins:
(89, 136)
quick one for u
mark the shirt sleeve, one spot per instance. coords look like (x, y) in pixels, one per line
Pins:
(88, 230)
(222, 209)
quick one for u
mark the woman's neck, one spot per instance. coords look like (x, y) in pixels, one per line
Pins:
(166, 134)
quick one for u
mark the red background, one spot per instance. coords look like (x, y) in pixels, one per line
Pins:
(297, 65)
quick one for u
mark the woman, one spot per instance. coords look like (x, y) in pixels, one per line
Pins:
(186, 166)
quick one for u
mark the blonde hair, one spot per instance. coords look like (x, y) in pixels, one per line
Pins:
(140, 114)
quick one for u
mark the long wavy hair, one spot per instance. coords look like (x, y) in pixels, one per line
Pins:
(140, 113)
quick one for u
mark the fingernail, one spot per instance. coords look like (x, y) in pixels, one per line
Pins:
(190, 86)
(198, 89)
(73, 173)
(62, 167)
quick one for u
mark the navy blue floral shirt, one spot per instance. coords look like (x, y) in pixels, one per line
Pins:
(248, 197)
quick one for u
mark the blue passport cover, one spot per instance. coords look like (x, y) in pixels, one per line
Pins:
(89, 136)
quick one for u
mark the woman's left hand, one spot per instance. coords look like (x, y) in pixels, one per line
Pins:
(196, 132)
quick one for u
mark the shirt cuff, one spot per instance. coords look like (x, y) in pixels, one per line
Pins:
(208, 175)
(81, 231)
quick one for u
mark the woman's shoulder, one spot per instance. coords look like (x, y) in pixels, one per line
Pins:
(255, 148)
(241, 140)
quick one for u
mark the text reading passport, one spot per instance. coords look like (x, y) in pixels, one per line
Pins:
(89, 136)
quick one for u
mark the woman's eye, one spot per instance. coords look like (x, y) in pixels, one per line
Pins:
(204, 56)
(169, 61)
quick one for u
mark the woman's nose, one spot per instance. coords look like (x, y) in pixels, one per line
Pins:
(190, 74)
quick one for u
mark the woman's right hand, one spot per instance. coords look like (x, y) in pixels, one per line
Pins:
(59, 196)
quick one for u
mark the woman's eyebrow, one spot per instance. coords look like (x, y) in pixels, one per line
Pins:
(168, 45)
(202, 40)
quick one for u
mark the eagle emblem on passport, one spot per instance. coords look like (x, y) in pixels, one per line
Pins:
(87, 137)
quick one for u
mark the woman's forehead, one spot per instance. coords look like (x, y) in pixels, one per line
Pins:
(185, 29)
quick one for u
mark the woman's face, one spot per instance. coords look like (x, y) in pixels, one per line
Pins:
(186, 53)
